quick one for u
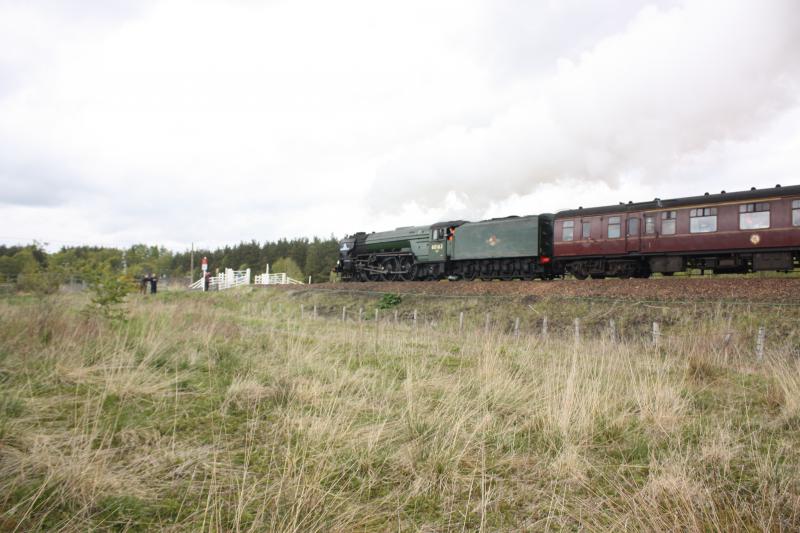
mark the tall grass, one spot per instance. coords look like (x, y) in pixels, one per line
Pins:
(229, 412)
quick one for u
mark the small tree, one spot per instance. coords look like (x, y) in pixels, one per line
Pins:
(32, 277)
(109, 290)
(288, 265)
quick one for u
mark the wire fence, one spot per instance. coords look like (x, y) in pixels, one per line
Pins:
(753, 343)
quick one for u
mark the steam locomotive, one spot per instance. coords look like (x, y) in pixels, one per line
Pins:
(737, 232)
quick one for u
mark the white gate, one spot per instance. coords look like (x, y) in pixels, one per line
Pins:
(224, 280)
(276, 279)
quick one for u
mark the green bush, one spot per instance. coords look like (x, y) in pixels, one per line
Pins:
(389, 300)
(39, 282)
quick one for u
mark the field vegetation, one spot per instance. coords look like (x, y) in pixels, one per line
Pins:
(242, 411)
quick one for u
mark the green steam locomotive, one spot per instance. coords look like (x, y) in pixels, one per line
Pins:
(500, 248)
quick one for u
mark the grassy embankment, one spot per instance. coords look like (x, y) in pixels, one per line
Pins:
(230, 412)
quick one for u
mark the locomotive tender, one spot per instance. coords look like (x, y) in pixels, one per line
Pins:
(743, 231)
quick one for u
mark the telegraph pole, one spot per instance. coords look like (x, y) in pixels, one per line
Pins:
(191, 265)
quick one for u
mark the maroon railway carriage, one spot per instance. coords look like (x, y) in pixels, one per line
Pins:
(743, 231)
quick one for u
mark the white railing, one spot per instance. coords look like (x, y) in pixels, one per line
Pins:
(275, 279)
(233, 278)
(225, 280)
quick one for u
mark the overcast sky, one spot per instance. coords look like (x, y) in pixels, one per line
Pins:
(174, 121)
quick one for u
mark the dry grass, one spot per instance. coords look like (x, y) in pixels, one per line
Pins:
(235, 415)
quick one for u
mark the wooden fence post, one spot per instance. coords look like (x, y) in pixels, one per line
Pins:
(360, 314)
(461, 321)
(544, 327)
(656, 333)
(395, 316)
(612, 327)
(377, 330)
(516, 327)
(315, 310)
(762, 334)
(344, 314)
(577, 323)
(415, 318)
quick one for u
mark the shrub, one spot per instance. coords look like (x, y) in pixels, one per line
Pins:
(389, 300)
(39, 282)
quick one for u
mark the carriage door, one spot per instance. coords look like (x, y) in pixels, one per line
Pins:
(633, 235)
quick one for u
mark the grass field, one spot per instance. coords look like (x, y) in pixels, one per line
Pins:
(232, 412)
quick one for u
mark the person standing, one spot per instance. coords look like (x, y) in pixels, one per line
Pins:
(153, 283)
(143, 284)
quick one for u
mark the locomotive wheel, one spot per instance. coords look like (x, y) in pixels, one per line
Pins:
(390, 266)
(408, 270)
(373, 276)
(579, 273)
(470, 272)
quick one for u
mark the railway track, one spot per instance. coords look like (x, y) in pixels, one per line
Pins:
(772, 289)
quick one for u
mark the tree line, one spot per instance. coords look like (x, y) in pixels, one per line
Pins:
(300, 258)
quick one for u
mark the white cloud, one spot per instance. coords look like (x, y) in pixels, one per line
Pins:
(212, 121)
(669, 86)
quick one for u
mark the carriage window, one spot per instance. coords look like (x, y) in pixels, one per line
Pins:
(754, 216)
(703, 220)
(668, 222)
(568, 230)
(650, 225)
(795, 212)
(613, 227)
(586, 230)
(633, 227)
